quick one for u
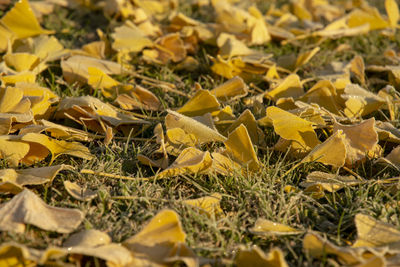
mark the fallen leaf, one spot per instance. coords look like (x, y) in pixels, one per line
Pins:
(289, 87)
(160, 242)
(27, 208)
(201, 103)
(240, 147)
(294, 128)
(203, 133)
(266, 227)
(257, 258)
(12, 180)
(209, 205)
(78, 193)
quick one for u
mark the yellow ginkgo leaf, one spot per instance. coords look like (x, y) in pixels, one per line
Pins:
(292, 127)
(202, 102)
(369, 16)
(266, 227)
(178, 139)
(209, 204)
(392, 159)
(190, 161)
(202, 132)
(170, 47)
(360, 102)
(305, 57)
(98, 79)
(257, 258)
(78, 193)
(13, 254)
(76, 68)
(12, 181)
(27, 208)
(373, 233)
(324, 94)
(57, 131)
(232, 89)
(24, 76)
(230, 46)
(289, 87)
(248, 120)
(21, 61)
(392, 10)
(13, 152)
(224, 165)
(318, 247)
(57, 147)
(159, 241)
(331, 152)
(93, 113)
(22, 21)
(357, 68)
(359, 139)
(13, 101)
(328, 181)
(240, 147)
(129, 38)
(227, 68)
(137, 97)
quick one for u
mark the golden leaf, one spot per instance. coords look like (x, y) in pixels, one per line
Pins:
(209, 205)
(289, 87)
(292, 127)
(202, 102)
(266, 228)
(240, 147)
(257, 258)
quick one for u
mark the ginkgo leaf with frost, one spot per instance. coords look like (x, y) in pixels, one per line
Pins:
(240, 147)
(360, 102)
(12, 180)
(289, 87)
(93, 113)
(316, 181)
(160, 242)
(359, 139)
(190, 161)
(387, 132)
(57, 131)
(224, 164)
(319, 247)
(77, 192)
(209, 205)
(177, 140)
(54, 146)
(22, 22)
(331, 152)
(27, 208)
(129, 38)
(373, 233)
(256, 257)
(324, 94)
(392, 10)
(392, 159)
(292, 127)
(202, 132)
(266, 227)
(75, 68)
(230, 90)
(202, 102)
(248, 120)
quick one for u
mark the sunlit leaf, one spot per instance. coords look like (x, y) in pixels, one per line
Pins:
(78, 193)
(209, 205)
(202, 102)
(269, 228)
(256, 257)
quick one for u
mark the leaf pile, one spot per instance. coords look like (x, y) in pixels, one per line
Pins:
(236, 105)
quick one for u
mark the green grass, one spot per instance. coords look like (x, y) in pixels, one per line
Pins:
(245, 198)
